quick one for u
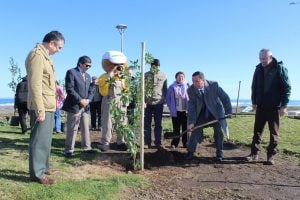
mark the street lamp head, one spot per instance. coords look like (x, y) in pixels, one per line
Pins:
(121, 27)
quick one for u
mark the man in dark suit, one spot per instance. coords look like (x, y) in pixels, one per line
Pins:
(79, 95)
(207, 102)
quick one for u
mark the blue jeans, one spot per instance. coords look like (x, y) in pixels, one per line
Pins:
(197, 137)
(57, 118)
(157, 111)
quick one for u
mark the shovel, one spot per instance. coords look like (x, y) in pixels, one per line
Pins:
(170, 135)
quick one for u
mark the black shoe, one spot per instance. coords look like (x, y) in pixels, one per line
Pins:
(190, 155)
(103, 147)
(91, 151)
(270, 160)
(69, 155)
(122, 147)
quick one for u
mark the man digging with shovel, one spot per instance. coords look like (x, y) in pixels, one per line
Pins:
(207, 102)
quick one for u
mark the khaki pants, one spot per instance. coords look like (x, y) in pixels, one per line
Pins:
(73, 121)
(107, 122)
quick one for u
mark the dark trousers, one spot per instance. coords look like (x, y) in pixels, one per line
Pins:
(263, 115)
(197, 137)
(40, 144)
(95, 109)
(179, 121)
(157, 111)
(22, 109)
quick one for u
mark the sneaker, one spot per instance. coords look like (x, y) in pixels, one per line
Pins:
(252, 157)
(147, 146)
(103, 147)
(270, 160)
(173, 147)
(190, 155)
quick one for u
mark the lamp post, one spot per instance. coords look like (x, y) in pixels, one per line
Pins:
(121, 28)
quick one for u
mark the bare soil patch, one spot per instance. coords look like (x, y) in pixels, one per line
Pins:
(171, 176)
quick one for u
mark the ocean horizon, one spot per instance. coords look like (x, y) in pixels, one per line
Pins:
(242, 102)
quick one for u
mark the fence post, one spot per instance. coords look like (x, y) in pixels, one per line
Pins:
(142, 104)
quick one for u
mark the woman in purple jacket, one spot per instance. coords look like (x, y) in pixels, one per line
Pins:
(177, 101)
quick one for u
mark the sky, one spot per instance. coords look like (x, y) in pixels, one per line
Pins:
(221, 38)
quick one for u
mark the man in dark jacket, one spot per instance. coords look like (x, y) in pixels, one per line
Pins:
(95, 105)
(79, 95)
(21, 102)
(271, 90)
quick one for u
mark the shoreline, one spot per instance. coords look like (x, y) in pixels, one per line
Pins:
(8, 110)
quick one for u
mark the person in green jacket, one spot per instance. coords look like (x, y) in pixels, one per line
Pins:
(271, 90)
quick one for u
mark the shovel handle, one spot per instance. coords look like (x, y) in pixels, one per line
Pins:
(200, 126)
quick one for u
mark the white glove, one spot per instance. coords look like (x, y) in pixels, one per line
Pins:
(190, 127)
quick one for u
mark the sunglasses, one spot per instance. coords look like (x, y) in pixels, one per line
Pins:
(88, 66)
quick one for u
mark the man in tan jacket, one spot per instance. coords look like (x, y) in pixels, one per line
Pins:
(42, 104)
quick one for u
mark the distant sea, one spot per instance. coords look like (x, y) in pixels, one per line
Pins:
(242, 102)
(247, 102)
(7, 101)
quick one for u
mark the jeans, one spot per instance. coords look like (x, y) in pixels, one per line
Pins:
(157, 111)
(57, 118)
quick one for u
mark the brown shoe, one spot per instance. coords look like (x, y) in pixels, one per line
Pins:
(45, 181)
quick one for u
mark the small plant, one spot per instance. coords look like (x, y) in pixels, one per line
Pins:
(15, 74)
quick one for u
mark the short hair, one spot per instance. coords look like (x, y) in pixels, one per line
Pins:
(155, 62)
(84, 59)
(178, 73)
(53, 36)
(200, 74)
(268, 52)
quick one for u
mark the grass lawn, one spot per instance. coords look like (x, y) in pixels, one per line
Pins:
(78, 178)
(83, 178)
(241, 131)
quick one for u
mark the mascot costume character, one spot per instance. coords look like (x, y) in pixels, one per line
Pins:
(113, 63)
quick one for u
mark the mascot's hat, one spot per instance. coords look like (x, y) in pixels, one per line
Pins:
(115, 57)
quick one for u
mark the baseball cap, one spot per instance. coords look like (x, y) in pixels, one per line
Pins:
(115, 57)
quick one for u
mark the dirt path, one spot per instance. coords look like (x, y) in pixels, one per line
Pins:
(172, 177)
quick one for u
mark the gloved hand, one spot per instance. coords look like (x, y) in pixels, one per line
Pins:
(190, 127)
